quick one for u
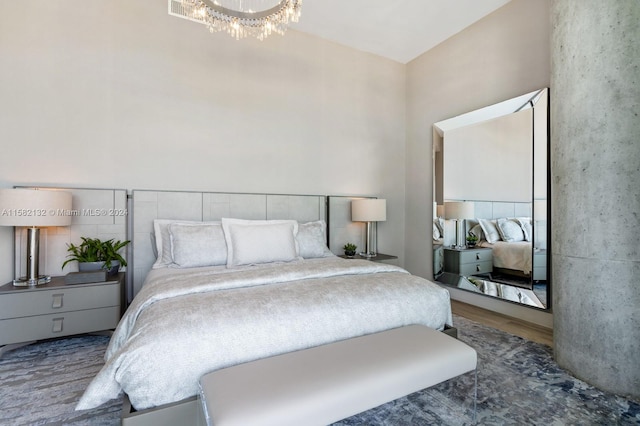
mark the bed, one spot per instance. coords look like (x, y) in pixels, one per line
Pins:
(510, 241)
(228, 291)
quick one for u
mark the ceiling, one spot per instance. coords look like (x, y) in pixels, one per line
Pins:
(400, 30)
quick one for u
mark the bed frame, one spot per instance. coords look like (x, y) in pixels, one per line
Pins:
(147, 205)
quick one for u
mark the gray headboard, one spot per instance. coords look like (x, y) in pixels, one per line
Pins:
(147, 205)
(496, 210)
(206, 206)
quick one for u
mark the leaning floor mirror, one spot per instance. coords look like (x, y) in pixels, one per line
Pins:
(490, 227)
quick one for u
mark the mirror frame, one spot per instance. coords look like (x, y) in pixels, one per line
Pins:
(540, 148)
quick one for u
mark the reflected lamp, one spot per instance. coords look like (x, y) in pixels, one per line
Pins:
(458, 211)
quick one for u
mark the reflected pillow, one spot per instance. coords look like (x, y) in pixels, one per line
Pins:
(312, 240)
(490, 230)
(195, 245)
(436, 232)
(439, 222)
(510, 230)
(251, 242)
(525, 224)
(477, 231)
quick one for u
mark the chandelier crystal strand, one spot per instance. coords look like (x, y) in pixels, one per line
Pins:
(245, 20)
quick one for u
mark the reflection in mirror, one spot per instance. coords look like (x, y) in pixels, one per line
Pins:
(490, 190)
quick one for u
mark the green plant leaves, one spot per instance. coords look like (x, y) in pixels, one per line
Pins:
(96, 250)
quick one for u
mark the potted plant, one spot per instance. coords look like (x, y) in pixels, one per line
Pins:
(94, 254)
(350, 249)
(472, 239)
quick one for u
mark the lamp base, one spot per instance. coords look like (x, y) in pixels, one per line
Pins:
(363, 254)
(26, 282)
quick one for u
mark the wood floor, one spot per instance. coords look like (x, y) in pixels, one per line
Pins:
(505, 323)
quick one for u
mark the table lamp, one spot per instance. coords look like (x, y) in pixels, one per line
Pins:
(34, 208)
(369, 210)
(457, 211)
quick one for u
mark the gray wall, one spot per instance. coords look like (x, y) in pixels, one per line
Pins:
(504, 55)
(118, 94)
(595, 100)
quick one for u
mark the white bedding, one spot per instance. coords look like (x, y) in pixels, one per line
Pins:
(511, 255)
(185, 323)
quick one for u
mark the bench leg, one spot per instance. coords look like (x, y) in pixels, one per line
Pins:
(475, 395)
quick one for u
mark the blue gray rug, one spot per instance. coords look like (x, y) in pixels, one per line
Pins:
(518, 383)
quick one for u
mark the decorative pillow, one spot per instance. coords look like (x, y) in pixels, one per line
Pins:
(439, 222)
(525, 224)
(251, 242)
(163, 240)
(510, 230)
(490, 230)
(477, 231)
(436, 232)
(312, 240)
(194, 245)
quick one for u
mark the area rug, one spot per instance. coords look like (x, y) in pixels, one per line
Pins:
(518, 383)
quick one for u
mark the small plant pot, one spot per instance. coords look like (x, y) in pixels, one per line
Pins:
(471, 245)
(350, 253)
(96, 266)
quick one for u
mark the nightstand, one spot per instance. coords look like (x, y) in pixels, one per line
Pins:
(57, 309)
(379, 258)
(467, 262)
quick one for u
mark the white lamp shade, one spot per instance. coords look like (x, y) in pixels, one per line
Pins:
(459, 210)
(34, 207)
(369, 210)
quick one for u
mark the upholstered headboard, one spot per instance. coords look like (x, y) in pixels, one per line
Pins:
(207, 206)
(496, 210)
(147, 205)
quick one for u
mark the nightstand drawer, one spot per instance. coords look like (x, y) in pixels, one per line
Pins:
(473, 256)
(57, 325)
(468, 269)
(58, 300)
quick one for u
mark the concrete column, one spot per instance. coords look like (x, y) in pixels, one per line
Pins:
(595, 174)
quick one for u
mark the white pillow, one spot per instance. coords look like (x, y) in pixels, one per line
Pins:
(490, 230)
(251, 242)
(436, 232)
(510, 230)
(477, 231)
(525, 224)
(439, 222)
(163, 240)
(312, 240)
(194, 245)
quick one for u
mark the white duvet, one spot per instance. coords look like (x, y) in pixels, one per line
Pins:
(184, 324)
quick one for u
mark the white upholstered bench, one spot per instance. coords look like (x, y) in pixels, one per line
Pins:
(327, 383)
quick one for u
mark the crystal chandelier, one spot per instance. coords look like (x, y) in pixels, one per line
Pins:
(242, 18)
